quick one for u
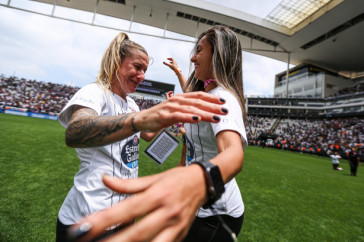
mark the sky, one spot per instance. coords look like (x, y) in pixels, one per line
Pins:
(42, 48)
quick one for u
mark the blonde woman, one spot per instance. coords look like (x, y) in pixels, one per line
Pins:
(105, 125)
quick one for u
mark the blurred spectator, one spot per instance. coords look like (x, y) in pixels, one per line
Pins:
(335, 161)
(353, 161)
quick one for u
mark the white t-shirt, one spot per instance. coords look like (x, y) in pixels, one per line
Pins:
(201, 145)
(335, 159)
(119, 159)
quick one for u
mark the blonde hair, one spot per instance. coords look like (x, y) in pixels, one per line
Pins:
(226, 64)
(119, 48)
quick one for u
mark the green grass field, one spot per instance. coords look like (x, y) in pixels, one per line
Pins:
(288, 196)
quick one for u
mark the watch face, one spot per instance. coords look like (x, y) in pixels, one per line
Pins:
(217, 180)
(214, 182)
(214, 171)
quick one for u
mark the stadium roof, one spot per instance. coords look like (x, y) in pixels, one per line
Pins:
(326, 33)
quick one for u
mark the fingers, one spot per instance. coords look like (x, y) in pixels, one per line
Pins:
(205, 107)
(191, 116)
(120, 214)
(166, 223)
(172, 233)
(168, 209)
(191, 108)
(145, 229)
(186, 108)
(203, 96)
(172, 64)
(167, 64)
(129, 185)
(171, 60)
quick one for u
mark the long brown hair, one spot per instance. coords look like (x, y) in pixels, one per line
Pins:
(226, 64)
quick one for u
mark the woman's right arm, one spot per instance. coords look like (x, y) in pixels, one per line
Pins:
(87, 129)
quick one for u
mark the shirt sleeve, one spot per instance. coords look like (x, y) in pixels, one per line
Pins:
(90, 96)
(233, 120)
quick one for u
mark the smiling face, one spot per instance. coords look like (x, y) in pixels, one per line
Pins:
(131, 73)
(202, 60)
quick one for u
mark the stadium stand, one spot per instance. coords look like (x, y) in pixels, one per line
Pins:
(47, 98)
(306, 124)
(33, 96)
(310, 125)
(145, 103)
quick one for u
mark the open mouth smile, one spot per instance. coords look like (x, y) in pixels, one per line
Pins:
(136, 83)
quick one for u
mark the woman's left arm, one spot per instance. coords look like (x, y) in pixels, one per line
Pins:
(231, 154)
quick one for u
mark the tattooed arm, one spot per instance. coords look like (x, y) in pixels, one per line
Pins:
(87, 129)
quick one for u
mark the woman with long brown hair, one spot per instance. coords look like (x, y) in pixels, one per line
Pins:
(217, 60)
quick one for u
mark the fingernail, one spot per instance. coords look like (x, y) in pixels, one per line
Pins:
(195, 118)
(224, 110)
(75, 234)
(222, 100)
(106, 176)
(216, 118)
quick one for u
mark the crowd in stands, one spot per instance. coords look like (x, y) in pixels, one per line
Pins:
(321, 137)
(46, 98)
(145, 103)
(33, 96)
(257, 125)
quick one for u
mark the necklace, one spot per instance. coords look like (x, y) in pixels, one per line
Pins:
(207, 82)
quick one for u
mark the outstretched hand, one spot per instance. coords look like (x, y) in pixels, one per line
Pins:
(174, 67)
(185, 108)
(172, 64)
(168, 206)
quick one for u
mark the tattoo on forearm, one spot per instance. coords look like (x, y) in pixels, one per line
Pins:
(133, 124)
(89, 130)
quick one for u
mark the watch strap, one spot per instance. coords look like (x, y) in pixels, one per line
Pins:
(214, 182)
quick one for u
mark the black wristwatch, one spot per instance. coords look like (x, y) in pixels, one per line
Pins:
(214, 183)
